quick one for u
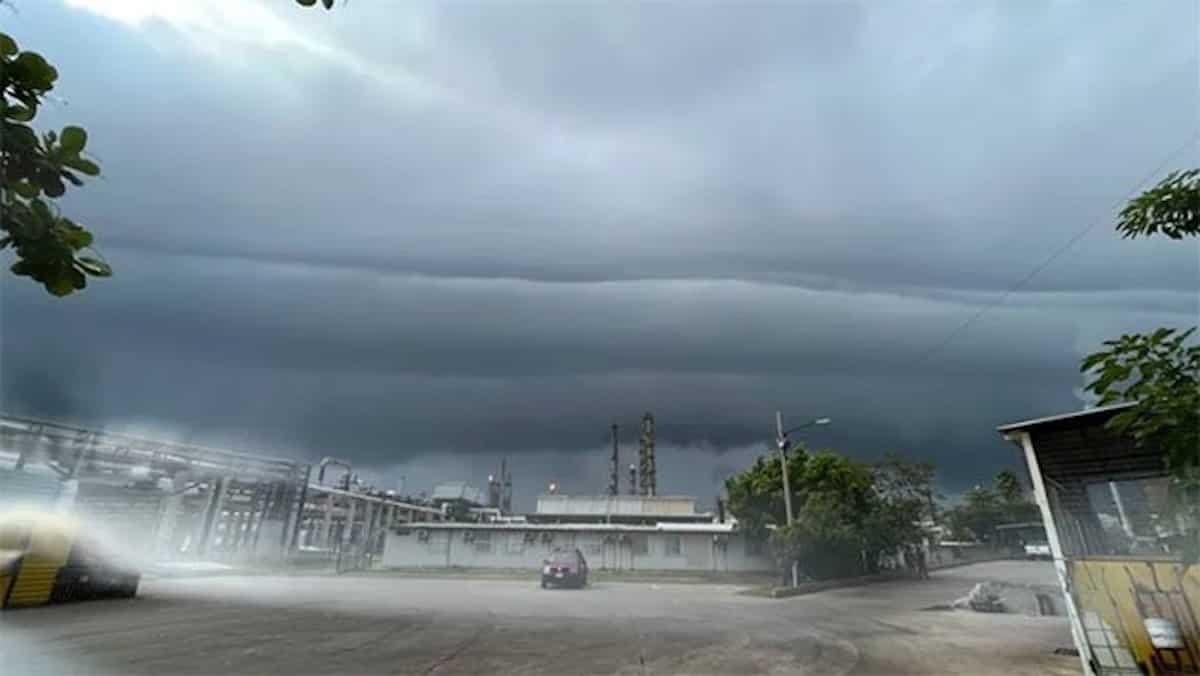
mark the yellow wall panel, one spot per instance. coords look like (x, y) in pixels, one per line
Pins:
(1116, 597)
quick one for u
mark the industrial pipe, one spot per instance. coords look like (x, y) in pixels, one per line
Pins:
(326, 461)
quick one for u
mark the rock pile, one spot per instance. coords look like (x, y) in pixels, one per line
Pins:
(983, 598)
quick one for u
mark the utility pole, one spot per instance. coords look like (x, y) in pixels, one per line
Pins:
(781, 444)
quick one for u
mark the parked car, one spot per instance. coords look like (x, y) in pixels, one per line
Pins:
(1037, 550)
(565, 569)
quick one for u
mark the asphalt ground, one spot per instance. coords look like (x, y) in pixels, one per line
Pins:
(388, 624)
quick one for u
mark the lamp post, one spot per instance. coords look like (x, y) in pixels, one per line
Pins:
(783, 443)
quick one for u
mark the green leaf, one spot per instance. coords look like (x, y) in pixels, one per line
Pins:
(42, 211)
(19, 113)
(8, 46)
(61, 284)
(33, 71)
(1161, 334)
(51, 184)
(26, 189)
(77, 238)
(83, 166)
(73, 139)
(93, 266)
(19, 135)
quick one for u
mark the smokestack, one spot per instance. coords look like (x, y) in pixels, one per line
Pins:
(613, 478)
(649, 480)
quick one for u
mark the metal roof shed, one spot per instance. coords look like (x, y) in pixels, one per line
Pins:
(1114, 540)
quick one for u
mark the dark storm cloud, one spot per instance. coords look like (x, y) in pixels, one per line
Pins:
(425, 236)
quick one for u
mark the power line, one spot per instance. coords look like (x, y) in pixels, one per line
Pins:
(1037, 269)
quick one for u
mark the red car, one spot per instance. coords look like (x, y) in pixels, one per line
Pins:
(565, 569)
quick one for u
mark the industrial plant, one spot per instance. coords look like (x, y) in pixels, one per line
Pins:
(163, 504)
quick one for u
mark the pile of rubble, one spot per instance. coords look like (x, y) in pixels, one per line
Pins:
(983, 598)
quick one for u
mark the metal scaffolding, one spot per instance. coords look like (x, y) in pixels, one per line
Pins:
(164, 501)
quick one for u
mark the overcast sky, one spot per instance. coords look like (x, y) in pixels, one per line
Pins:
(421, 236)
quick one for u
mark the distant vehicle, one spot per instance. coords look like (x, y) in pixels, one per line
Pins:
(565, 569)
(1037, 550)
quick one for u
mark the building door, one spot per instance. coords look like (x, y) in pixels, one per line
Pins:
(610, 553)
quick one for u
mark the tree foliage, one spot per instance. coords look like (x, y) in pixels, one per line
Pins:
(984, 507)
(34, 171)
(1159, 372)
(1171, 208)
(1009, 486)
(847, 512)
(910, 481)
(755, 495)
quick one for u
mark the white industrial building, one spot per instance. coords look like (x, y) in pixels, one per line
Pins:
(614, 533)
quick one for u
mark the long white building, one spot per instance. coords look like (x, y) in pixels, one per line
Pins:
(614, 533)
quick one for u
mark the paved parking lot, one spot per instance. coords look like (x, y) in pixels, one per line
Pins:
(380, 624)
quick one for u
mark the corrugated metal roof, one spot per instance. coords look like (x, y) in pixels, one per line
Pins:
(1027, 424)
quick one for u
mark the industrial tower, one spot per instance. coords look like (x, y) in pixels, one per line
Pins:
(506, 487)
(646, 472)
(614, 485)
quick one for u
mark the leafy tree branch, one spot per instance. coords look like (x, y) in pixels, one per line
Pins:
(35, 170)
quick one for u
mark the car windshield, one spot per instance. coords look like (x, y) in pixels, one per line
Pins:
(599, 337)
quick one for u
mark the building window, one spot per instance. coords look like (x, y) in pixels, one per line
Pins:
(674, 545)
(639, 544)
(516, 543)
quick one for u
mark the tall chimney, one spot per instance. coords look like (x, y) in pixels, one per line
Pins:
(613, 472)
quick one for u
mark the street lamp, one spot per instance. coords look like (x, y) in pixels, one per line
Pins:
(783, 443)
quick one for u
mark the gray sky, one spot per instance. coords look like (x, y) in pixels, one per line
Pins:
(424, 235)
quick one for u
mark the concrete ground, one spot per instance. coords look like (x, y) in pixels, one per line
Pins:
(403, 625)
